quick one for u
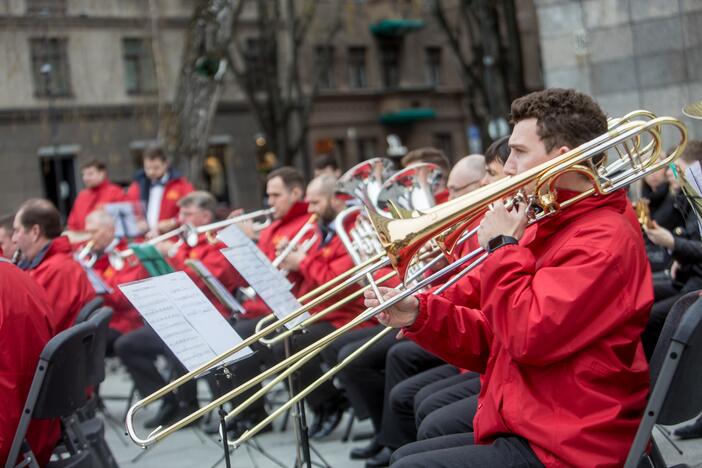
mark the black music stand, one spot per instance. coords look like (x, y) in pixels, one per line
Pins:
(304, 448)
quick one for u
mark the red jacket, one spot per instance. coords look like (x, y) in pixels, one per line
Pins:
(125, 318)
(281, 229)
(218, 265)
(90, 199)
(554, 325)
(65, 283)
(175, 189)
(24, 331)
(324, 263)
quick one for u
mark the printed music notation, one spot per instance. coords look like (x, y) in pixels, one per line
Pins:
(260, 273)
(182, 316)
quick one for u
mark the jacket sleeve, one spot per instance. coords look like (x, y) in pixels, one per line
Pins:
(457, 334)
(321, 270)
(541, 316)
(687, 251)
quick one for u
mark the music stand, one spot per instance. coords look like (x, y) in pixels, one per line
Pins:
(124, 215)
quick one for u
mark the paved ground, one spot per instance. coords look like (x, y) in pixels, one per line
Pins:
(191, 448)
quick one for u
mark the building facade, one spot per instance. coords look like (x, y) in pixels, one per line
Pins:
(86, 79)
(628, 54)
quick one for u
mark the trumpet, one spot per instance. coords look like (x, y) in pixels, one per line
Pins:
(403, 238)
(86, 254)
(117, 259)
(192, 233)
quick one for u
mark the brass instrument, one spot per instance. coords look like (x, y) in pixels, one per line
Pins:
(364, 180)
(192, 233)
(411, 189)
(693, 110)
(643, 213)
(403, 238)
(86, 254)
(76, 237)
(117, 259)
(16, 257)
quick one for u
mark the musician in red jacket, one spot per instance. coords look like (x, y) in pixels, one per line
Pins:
(25, 329)
(285, 188)
(552, 320)
(198, 209)
(158, 187)
(97, 192)
(48, 258)
(125, 318)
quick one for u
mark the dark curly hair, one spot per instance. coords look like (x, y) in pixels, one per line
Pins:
(564, 117)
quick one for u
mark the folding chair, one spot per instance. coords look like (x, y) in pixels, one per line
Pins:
(57, 391)
(676, 379)
(88, 309)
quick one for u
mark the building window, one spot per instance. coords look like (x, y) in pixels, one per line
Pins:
(46, 7)
(358, 77)
(139, 74)
(50, 69)
(367, 148)
(433, 61)
(444, 142)
(324, 65)
(390, 65)
(255, 63)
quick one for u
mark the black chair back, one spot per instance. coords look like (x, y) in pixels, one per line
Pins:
(101, 320)
(682, 326)
(89, 308)
(676, 377)
(67, 359)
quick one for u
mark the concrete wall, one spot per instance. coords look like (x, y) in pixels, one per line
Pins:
(628, 54)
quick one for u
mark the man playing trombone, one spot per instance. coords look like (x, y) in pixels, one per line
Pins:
(552, 319)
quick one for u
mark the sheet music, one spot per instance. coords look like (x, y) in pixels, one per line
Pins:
(263, 277)
(221, 292)
(125, 219)
(232, 236)
(185, 320)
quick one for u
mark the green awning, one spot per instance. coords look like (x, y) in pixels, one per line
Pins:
(395, 27)
(406, 116)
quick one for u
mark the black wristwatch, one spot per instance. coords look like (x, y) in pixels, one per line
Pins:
(500, 241)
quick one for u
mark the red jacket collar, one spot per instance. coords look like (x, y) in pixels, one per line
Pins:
(101, 186)
(298, 209)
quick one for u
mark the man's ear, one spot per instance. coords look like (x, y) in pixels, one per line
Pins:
(35, 231)
(563, 150)
(297, 193)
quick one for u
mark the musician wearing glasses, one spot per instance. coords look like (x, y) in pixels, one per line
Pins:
(552, 320)
(47, 256)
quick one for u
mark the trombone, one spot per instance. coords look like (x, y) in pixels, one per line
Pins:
(402, 239)
(192, 233)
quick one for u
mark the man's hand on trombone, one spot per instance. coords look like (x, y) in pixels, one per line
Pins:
(402, 314)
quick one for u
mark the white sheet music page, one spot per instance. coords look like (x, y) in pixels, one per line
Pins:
(261, 275)
(232, 235)
(185, 320)
(693, 174)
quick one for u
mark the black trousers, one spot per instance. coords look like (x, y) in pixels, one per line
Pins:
(404, 360)
(138, 351)
(447, 406)
(326, 393)
(460, 451)
(363, 380)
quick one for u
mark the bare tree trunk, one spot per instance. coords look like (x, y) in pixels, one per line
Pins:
(199, 86)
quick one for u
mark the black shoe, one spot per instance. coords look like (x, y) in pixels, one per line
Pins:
(691, 431)
(317, 422)
(370, 450)
(165, 415)
(381, 459)
(329, 423)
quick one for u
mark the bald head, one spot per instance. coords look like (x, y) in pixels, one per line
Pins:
(100, 218)
(101, 227)
(322, 199)
(466, 174)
